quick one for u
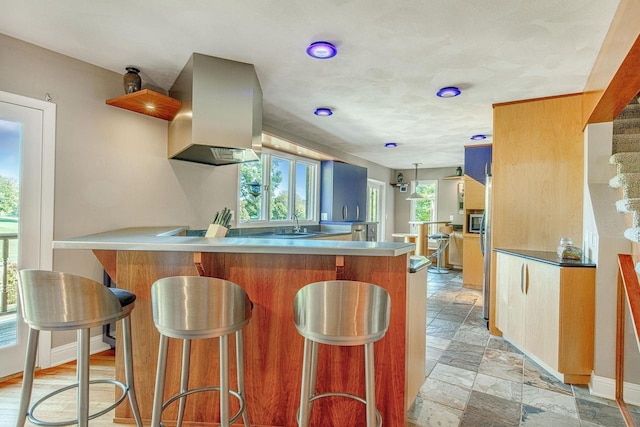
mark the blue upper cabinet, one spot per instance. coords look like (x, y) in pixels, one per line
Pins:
(477, 161)
(343, 192)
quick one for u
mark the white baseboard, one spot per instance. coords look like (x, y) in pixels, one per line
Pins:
(606, 387)
(68, 352)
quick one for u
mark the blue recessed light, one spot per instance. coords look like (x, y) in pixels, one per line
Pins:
(478, 137)
(322, 50)
(448, 92)
(391, 145)
(323, 112)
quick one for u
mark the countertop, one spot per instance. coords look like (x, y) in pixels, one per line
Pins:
(167, 239)
(548, 258)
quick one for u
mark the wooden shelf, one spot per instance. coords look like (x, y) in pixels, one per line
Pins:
(149, 103)
(453, 178)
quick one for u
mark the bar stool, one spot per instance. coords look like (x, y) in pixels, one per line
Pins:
(442, 240)
(340, 313)
(54, 301)
(192, 307)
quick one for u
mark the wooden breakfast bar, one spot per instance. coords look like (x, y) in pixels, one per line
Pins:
(271, 271)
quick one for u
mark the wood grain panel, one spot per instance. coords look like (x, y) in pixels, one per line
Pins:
(537, 177)
(472, 262)
(108, 259)
(273, 348)
(136, 272)
(473, 195)
(577, 320)
(614, 79)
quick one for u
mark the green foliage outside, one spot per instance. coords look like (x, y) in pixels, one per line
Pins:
(424, 207)
(9, 197)
(9, 212)
(252, 196)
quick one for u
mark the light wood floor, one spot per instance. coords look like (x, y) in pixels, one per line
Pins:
(62, 406)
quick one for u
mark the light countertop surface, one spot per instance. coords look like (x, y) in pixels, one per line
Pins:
(168, 239)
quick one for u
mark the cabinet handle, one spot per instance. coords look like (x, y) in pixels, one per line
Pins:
(345, 212)
(357, 211)
(522, 278)
(526, 280)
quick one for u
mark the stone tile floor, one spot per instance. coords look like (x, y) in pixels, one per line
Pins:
(475, 379)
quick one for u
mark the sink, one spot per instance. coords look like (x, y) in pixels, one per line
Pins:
(290, 235)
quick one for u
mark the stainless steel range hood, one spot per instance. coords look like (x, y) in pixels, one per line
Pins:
(220, 121)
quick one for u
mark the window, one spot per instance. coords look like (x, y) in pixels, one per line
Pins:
(425, 209)
(277, 187)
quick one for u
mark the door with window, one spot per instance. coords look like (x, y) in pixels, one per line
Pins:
(27, 132)
(375, 206)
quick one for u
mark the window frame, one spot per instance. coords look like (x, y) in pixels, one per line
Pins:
(266, 157)
(412, 211)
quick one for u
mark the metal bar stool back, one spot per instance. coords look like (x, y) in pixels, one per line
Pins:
(54, 301)
(340, 313)
(192, 307)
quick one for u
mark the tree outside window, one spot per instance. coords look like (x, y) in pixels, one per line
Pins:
(277, 187)
(425, 209)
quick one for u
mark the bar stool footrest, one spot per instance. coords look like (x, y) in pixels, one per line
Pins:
(39, 422)
(205, 389)
(340, 394)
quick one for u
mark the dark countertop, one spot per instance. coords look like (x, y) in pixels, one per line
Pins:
(547, 257)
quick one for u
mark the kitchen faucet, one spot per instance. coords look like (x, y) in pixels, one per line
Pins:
(296, 228)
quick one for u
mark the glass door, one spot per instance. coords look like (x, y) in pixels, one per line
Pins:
(22, 138)
(375, 206)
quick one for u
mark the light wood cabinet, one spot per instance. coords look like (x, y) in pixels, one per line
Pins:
(416, 334)
(472, 261)
(548, 312)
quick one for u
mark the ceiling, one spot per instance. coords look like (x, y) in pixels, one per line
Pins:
(393, 57)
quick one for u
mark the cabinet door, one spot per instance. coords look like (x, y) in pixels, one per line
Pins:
(477, 161)
(542, 321)
(472, 262)
(344, 191)
(510, 301)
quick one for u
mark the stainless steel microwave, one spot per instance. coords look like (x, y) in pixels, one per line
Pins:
(475, 222)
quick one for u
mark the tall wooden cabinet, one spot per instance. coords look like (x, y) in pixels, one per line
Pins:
(538, 153)
(546, 308)
(477, 161)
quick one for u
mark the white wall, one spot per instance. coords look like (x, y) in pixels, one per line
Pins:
(112, 169)
(447, 203)
(602, 240)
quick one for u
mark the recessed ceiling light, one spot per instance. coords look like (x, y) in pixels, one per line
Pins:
(322, 50)
(391, 145)
(323, 112)
(478, 137)
(448, 92)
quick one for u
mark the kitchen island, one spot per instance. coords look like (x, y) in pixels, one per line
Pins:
(271, 271)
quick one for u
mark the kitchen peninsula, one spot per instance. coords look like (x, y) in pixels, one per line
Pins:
(271, 271)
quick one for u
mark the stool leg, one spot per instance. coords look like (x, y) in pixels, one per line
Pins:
(161, 373)
(224, 381)
(305, 388)
(184, 378)
(370, 384)
(128, 369)
(240, 372)
(27, 377)
(314, 373)
(83, 377)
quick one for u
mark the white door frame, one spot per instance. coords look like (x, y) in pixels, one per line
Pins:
(381, 206)
(46, 198)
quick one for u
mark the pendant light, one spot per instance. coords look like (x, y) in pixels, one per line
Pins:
(415, 195)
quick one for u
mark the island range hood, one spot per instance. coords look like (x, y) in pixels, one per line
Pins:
(220, 121)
